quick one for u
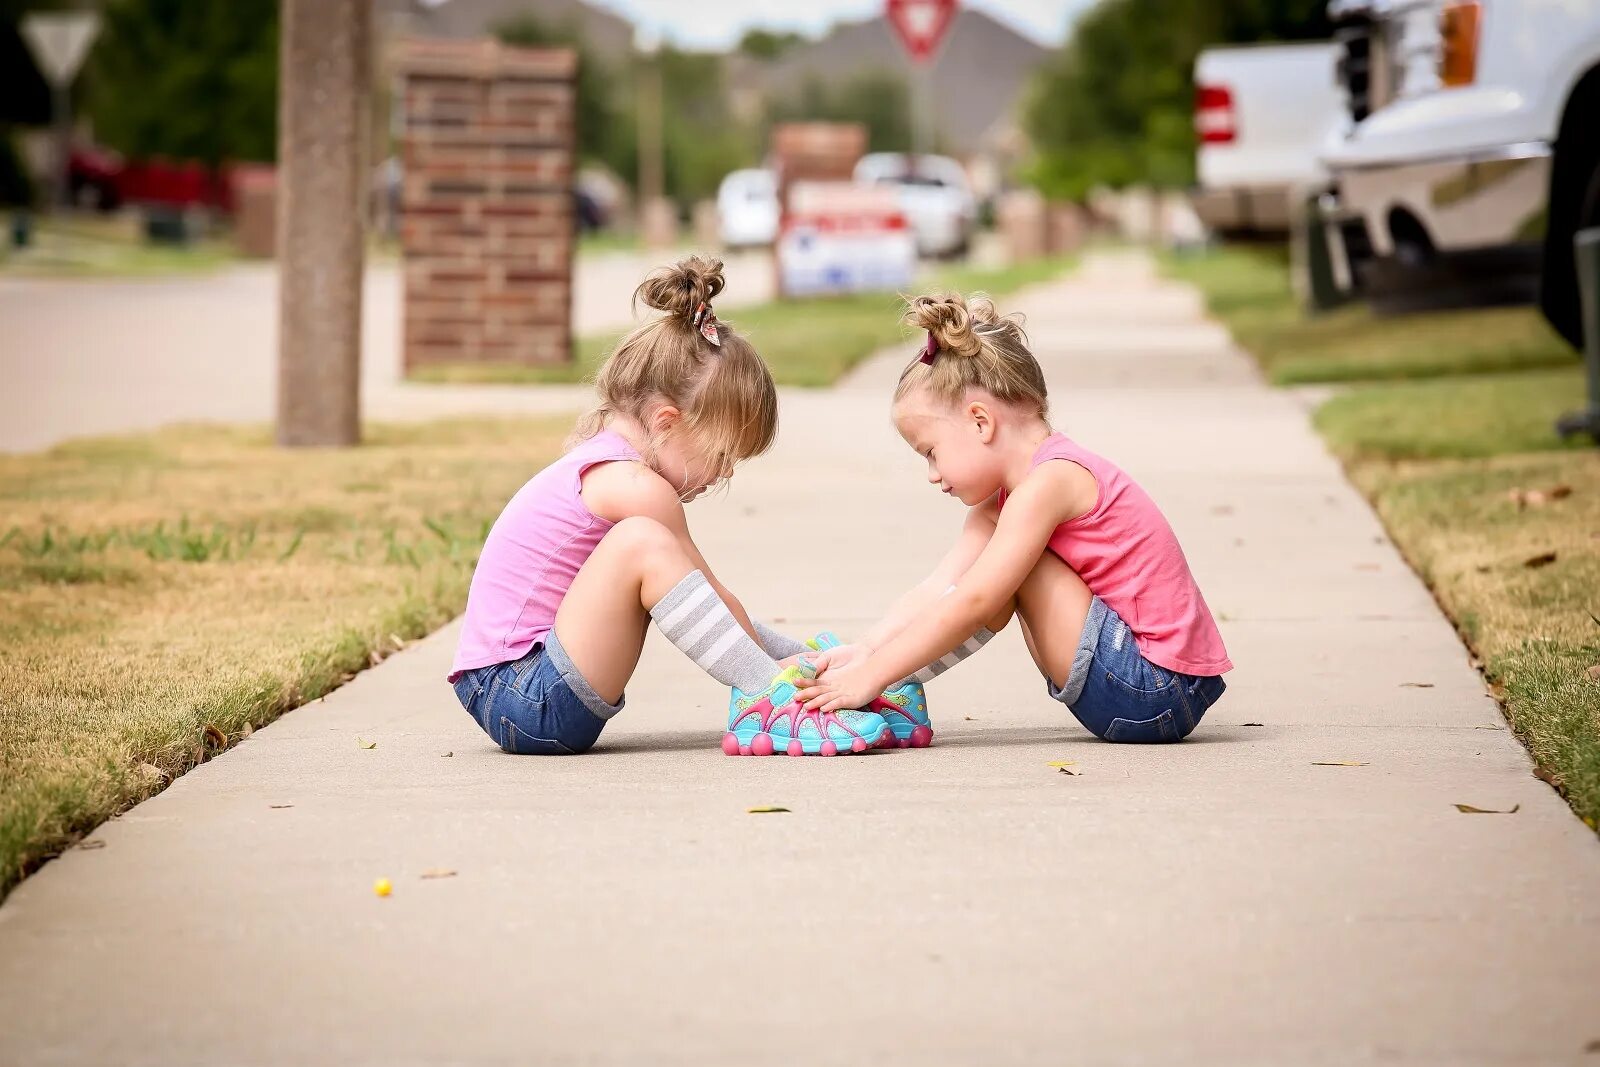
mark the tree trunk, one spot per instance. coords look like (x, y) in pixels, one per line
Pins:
(324, 62)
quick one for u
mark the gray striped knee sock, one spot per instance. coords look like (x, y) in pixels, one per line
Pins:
(696, 620)
(944, 663)
(778, 645)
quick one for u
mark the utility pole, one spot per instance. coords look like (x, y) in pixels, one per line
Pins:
(59, 42)
(654, 228)
(324, 67)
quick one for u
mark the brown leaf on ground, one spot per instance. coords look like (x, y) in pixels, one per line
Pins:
(438, 872)
(771, 810)
(446, 755)
(1593, 672)
(90, 846)
(1416, 685)
(152, 772)
(1468, 809)
(1063, 770)
(1252, 724)
(1337, 763)
(216, 737)
(969, 718)
(245, 731)
(276, 807)
(1547, 776)
(366, 744)
(1560, 492)
(1543, 559)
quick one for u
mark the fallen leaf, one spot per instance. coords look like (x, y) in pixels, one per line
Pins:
(1543, 559)
(366, 744)
(1468, 809)
(438, 872)
(447, 755)
(764, 810)
(1416, 685)
(1065, 763)
(398, 641)
(374, 658)
(1560, 492)
(246, 731)
(152, 772)
(216, 737)
(1593, 672)
(969, 718)
(1065, 771)
(1252, 724)
(1547, 776)
(277, 806)
(90, 846)
(1337, 763)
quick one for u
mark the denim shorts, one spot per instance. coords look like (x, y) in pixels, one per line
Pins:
(538, 705)
(1119, 695)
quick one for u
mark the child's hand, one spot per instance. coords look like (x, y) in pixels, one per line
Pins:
(839, 656)
(846, 686)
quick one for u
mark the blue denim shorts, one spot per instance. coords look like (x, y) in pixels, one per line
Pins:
(538, 705)
(1119, 695)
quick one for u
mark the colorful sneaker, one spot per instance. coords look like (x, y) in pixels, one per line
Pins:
(904, 707)
(774, 721)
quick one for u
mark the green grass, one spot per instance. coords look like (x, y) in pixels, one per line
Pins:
(805, 342)
(1533, 627)
(94, 247)
(1448, 460)
(161, 595)
(1248, 289)
(1453, 418)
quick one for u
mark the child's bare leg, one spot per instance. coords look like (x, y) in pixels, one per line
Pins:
(1053, 603)
(603, 618)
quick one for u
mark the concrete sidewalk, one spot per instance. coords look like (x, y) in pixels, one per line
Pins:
(1224, 901)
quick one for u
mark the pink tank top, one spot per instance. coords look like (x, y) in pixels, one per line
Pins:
(1126, 553)
(533, 553)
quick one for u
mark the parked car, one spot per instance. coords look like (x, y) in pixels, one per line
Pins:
(934, 194)
(1262, 113)
(747, 208)
(1475, 150)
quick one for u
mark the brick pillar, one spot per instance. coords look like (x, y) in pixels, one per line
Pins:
(323, 107)
(486, 205)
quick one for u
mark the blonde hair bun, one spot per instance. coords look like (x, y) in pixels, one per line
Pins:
(952, 321)
(975, 346)
(682, 287)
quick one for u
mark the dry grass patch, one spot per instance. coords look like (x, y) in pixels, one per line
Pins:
(164, 592)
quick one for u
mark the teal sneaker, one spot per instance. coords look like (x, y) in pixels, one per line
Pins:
(904, 707)
(775, 720)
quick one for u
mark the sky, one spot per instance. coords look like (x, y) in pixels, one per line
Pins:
(718, 24)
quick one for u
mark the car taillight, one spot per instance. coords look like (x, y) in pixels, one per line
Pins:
(1458, 42)
(1213, 114)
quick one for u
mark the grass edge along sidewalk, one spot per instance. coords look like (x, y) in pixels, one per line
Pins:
(1499, 517)
(810, 342)
(164, 594)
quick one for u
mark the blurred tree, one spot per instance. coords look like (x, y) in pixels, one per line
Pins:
(188, 80)
(878, 100)
(605, 129)
(703, 139)
(767, 44)
(1115, 106)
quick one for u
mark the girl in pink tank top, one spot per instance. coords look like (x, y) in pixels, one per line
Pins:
(1055, 535)
(595, 547)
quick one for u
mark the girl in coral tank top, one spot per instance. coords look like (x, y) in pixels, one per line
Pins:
(1055, 535)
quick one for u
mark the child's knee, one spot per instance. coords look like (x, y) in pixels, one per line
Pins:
(643, 539)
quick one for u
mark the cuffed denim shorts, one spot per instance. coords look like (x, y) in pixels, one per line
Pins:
(538, 705)
(1119, 695)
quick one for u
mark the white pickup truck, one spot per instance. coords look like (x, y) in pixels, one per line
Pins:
(1477, 139)
(1262, 112)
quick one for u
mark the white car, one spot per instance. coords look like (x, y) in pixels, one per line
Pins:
(1262, 113)
(934, 194)
(747, 208)
(1476, 143)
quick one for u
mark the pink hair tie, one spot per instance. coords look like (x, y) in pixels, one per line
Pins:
(930, 350)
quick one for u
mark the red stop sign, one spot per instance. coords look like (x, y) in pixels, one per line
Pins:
(921, 24)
